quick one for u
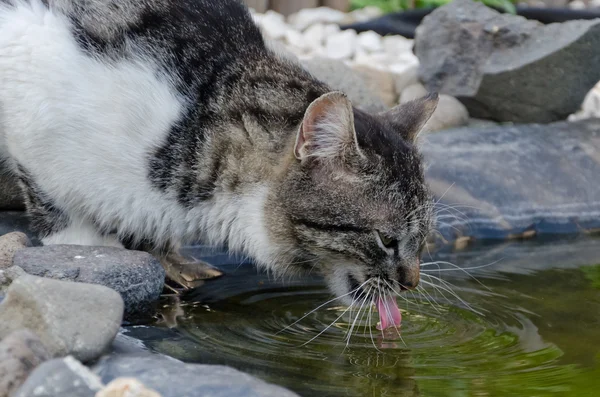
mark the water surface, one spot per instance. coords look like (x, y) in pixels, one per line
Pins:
(527, 325)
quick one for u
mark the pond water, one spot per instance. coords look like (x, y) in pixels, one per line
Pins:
(523, 319)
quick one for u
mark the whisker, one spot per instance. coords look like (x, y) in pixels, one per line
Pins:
(317, 308)
(449, 290)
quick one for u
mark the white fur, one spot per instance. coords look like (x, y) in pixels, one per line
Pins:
(84, 127)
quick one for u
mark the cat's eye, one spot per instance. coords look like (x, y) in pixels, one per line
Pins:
(387, 241)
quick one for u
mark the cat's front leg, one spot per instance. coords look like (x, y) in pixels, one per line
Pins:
(186, 272)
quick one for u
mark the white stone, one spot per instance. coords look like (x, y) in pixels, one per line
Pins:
(314, 36)
(273, 25)
(341, 45)
(310, 16)
(370, 41)
(331, 29)
(295, 39)
(577, 5)
(365, 14)
(395, 45)
(591, 105)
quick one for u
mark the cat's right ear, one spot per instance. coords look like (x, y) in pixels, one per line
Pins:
(410, 117)
(327, 129)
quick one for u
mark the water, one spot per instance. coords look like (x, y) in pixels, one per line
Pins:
(537, 334)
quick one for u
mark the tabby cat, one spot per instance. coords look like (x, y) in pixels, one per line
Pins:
(150, 124)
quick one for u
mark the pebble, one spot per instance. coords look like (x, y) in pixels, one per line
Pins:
(273, 25)
(64, 377)
(126, 387)
(450, 112)
(341, 45)
(343, 78)
(9, 244)
(310, 16)
(314, 36)
(69, 318)
(20, 352)
(370, 41)
(380, 82)
(136, 275)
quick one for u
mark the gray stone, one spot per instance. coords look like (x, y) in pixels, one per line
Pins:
(20, 353)
(136, 275)
(408, 77)
(7, 276)
(64, 377)
(9, 244)
(449, 113)
(413, 91)
(69, 318)
(521, 180)
(173, 378)
(506, 67)
(10, 193)
(341, 77)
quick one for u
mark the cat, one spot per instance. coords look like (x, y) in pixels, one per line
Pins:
(149, 124)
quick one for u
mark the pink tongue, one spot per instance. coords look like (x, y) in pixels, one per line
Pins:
(389, 314)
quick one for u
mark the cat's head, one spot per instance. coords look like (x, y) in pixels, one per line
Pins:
(355, 200)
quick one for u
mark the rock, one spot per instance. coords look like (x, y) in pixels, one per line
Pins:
(10, 194)
(69, 318)
(405, 76)
(126, 387)
(295, 39)
(395, 45)
(450, 112)
(136, 275)
(173, 378)
(343, 78)
(380, 82)
(512, 180)
(314, 36)
(413, 91)
(505, 67)
(341, 45)
(65, 377)
(369, 41)
(9, 244)
(310, 16)
(7, 276)
(20, 353)
(590, 106)
(273, 25)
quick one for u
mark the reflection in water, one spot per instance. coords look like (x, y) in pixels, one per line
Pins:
(538, 335)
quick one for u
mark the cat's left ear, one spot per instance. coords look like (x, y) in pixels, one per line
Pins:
(410, 117)
(327, 130)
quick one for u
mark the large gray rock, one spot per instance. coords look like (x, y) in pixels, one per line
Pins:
(341, 77)
(20, 353)
(65, 377)
(506, 67)
(136, 275)
(9, 244)
(173, 378)
(510, 181)
(69, 318)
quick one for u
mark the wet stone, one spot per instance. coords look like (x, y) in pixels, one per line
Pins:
(20, 352)
(136, 275)
(9, 244)
(69, 318)
(65, 377)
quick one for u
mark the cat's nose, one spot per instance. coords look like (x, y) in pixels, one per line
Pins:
(409, 276)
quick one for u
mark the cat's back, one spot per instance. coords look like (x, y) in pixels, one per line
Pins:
(88, 88)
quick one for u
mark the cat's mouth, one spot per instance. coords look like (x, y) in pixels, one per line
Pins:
(384, 300)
